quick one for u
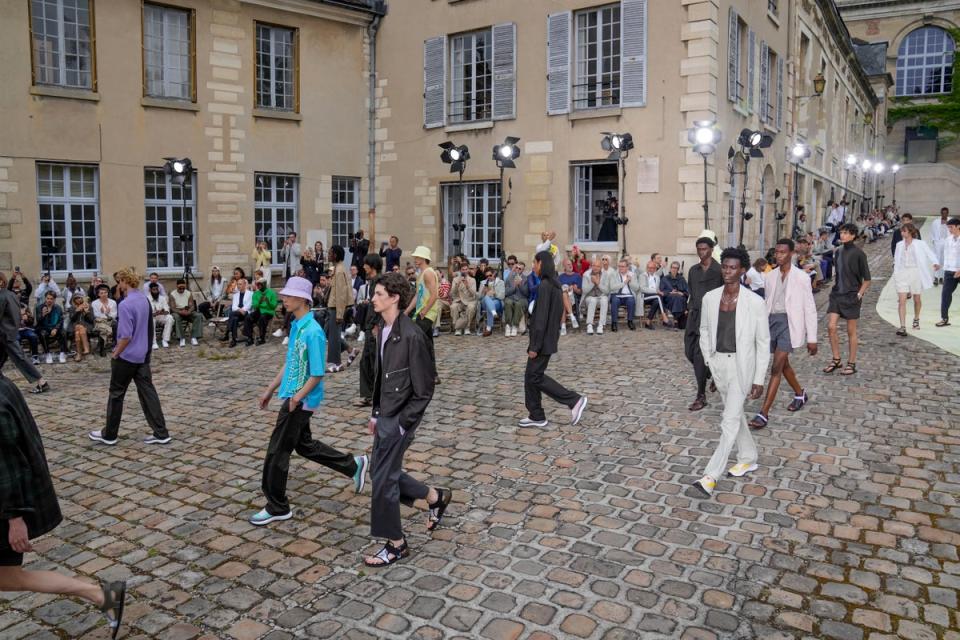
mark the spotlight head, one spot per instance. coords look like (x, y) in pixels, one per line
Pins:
(704, 136)
(866, 164)
(505, 154)
(800, 151)
(895, 168)
(747, 216)
(455, 156)
(750, 138)
(878, 168)
(616, 143)
(179, 170)
(505, 151)
(851, 160)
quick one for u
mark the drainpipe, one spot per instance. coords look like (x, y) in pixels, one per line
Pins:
(372, 29)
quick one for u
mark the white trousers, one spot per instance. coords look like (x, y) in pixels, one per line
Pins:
(592, 308)
(167, 322)
(733, 424)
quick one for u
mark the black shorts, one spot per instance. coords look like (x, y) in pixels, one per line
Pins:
(10, 558)
(846, 305)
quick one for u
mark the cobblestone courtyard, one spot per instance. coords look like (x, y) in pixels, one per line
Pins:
(849, 530)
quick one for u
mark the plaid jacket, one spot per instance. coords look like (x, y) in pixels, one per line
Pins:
(26, 488)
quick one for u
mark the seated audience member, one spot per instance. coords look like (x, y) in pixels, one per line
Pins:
(596, 292)
(492, 292)
(153, 278)
(49, 318)
(104, 317)
(463, 301)
(675, 292)
(623, 291)
(234, 285)
(808, 263)
(478, 271)
(161, 315)
(27, 331)
(443, 296)
(215, 292)
(71, 290)
(263, 309)
(650, 294)
(571, 286)
(46, 284)
(185, 312)
(95, 282)
(823, 252)
(514, 302)
(579, 260)
(754, 277)
(77, 325)
(240, 307)
(663, 267)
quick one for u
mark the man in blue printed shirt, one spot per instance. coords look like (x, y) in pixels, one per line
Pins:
(300, 384)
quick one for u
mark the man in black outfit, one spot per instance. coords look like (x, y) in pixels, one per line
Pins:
(368, 320)
(544, 330)
(703, 276)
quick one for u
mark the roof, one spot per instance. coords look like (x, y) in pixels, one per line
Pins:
(373, 6)
(872, 57)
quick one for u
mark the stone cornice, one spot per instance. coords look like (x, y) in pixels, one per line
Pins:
(855, 10)
(336, 13)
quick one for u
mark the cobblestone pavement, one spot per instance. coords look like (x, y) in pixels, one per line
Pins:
(849, 530)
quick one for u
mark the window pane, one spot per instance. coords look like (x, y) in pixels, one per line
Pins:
(275, 210)
(924, 62)
(68, 218)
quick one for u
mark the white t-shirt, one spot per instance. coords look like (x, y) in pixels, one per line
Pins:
(754, 279)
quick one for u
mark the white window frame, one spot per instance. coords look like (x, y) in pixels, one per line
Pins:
(917, 61)
(587, 84)
(772, 95)
(57, 59)
(345, 214)
(67, 201)
(484, 220)
(175, 225)
(266, 184)
(164, 47)
(583, 203)
(270, 99)
(466, 47)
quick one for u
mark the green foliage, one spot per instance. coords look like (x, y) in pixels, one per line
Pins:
(944, 114)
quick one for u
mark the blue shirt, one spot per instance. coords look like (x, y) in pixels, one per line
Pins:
(571, 279)
(306, 357)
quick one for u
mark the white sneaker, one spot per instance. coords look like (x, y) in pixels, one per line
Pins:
(563, 329)
(458, 332)
(361, 337)
(705, 485)
(599, 329)
(63, 357)
(286, 340)
(506, 331)
(278, 333)
(49, 359)
(155, 346)
(577, 412)
(515, 329)
(528, 422)
(183, 342)
(35, 359)
(166, 344)
(352, 329)
(574, 322)
(194, 342)
(740, 469)
(495, 315)
(97, 436)
(156, 440)
(589, 329)
(211, 324)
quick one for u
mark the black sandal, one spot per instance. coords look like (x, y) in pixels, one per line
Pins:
(759, 421)
(902, 332)
(438, 508)
(835, 364)
(114, 595)
(798, 401)
(916, 323)
(389, 554)
(41, 388)
(850, 369)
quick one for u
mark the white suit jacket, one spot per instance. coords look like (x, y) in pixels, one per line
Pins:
(753, 334)
(925, 260)
(798, 299)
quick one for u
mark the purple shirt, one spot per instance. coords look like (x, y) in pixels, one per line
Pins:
(134, 323)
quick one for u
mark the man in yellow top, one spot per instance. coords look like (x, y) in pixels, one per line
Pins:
(424, 305)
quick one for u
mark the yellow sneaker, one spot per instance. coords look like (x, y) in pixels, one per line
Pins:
(705, 485)
(741, 469)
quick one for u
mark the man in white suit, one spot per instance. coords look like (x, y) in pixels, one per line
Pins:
(735, 342)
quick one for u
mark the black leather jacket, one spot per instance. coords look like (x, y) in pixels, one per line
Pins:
(404, 382)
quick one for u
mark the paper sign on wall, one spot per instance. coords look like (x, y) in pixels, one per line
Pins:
(648, 174)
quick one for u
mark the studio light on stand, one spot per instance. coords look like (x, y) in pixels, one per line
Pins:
(618, 146)
(865, 167)
(894, 169)
(878, 168)
(456, 157)
(850, 163)
(750, 143)
(798, 153)
(505, 156)
(180, 172)
(704, 136)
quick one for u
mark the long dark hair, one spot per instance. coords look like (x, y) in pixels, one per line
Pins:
(548, 270)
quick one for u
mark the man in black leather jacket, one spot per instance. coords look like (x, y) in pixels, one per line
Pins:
(402, 391)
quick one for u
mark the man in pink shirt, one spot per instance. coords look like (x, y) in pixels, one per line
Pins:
(793, 323)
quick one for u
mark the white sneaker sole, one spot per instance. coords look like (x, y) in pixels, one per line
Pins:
(260, 523)
(364, 465)
(752, 467)
(157, 440)
(101, 439)
(531, 423)
(577, 414)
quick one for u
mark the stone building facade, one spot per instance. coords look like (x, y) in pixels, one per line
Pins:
(912, 41)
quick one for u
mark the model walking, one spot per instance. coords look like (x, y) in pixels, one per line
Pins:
(703, 277)
(846, 297)
(914, 268)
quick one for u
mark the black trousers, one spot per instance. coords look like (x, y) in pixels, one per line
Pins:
(259, 319)
(45, 339)
(691, 348)
(391, 485)
(292, 433)
(234, 323)
(122, 373)
(427, 327)
(368, 366)
(335, 346)
(19, 359)
(536, 382)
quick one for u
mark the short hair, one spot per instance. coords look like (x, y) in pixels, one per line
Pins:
(653, 256)
(154, 273)
(705, 240)
(953, 222)
(651, 263)
(759, 263)
(130, 276)
(101, 287)
(337, 252)
(511, 257)
(156, 285)
(734, 253)
(850, 228)
(292, 233)
(181, 281)
(488, 271)
(395, 285)
(373, 261)
(786, 241)
(907, 215)
(910, 228)
(942, 209)
(482, 261)
(49, 294)
(674, 264)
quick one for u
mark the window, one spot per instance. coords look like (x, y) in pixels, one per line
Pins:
(275, 209)
(62, 36)
(738, 57)
(170, 214)
(346, 210)
(477, 205)
(277, 68)
(68, 199)
(771, 86)
(596, 202)
(168, 52)
(471, 78)
(925, 62)
(597, 82)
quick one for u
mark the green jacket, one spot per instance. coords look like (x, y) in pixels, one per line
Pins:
(265, 302)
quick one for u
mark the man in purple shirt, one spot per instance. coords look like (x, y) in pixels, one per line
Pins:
(131, 362)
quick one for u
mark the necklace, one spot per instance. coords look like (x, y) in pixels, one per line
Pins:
(727, 300)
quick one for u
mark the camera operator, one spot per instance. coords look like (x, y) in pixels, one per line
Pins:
(359, 248)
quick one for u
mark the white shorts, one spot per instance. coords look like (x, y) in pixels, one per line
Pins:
(907, 280)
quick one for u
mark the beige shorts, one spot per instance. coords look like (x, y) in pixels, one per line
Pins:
(907, 280)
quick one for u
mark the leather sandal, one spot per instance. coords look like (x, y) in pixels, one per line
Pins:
(698, 404)
(388, 554)
(438, 508)
(759, 422)
(835, 364)
(114, 595)
(850, 369)
(943, 323)
(798, 401)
